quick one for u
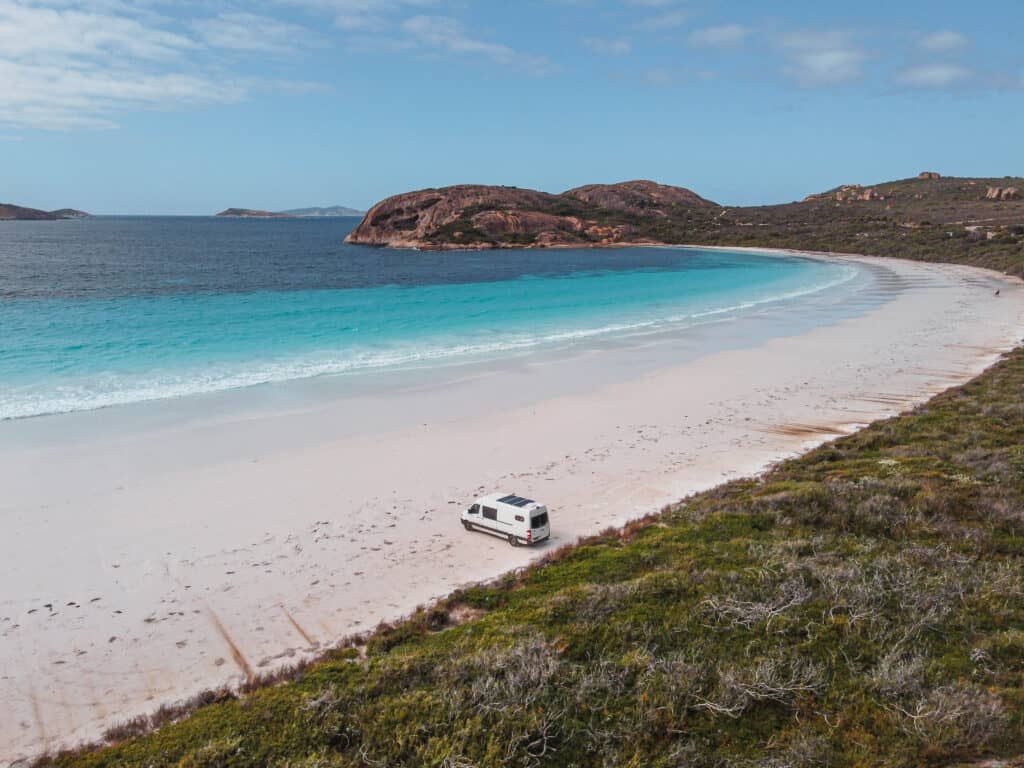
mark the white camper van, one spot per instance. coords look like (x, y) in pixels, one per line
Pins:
(521, 521)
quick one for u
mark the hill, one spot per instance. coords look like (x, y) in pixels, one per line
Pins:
(477, 216)
(333, 210)
(976, 221)
(17, 212)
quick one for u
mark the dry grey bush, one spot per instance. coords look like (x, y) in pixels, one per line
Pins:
(669, 687)
(503, 679)
(993, 465)
(457, 761)
(956, 717)
(603, 600)
(748, 613)
(327, 701)
(804, 750)
(775, 679)
(600, 679)
(898, 676)
(1006, 514)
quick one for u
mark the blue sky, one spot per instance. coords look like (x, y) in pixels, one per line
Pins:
(191, 107)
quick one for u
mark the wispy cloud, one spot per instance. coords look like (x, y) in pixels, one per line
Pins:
(33, 31)
(68, 64)
(667, 20)
(938, 75)
(250, 32)
(665, 78)
(821, 58)
(363, 15)
(607, 47)
(722, 36)
(942, 41)
(60, 98)
(447, 35)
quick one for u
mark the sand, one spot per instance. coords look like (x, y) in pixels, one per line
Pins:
(151, 552)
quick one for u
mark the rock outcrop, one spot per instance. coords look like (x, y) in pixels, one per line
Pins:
(848, 193)
(1002, 193)
(855, 192)
(477, 216)
(925, 175)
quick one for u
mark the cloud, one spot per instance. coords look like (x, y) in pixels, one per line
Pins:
(723, 36)
(447, 35)
(821, 58)
(608, 47)
(60, 98)
(67, 64)
(933, 76)
(35, 31)
(361, 15)
(672, 19)
(667, 78)
(942, 41)
(249, 32)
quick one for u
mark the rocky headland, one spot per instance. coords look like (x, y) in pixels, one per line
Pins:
(477, 216)
(967, 220)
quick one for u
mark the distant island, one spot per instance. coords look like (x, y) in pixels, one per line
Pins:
(294, 213)
(969, 220)
(251, 213)
(333, 210)
(10, 212)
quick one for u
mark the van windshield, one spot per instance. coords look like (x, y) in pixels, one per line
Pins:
(539, 521)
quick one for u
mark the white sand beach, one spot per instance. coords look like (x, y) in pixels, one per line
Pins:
(150, 552)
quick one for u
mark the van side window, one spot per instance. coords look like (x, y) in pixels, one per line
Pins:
(519, 518)
(475, 509)
(490, 514)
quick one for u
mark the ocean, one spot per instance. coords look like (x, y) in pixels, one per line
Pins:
(114, 310)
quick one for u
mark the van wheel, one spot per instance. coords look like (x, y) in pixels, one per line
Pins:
(513, 540)
(467, 525)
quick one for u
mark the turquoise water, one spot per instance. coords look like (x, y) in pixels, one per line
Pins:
(65, 349)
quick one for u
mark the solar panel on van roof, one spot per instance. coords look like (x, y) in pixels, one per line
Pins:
(516, 501)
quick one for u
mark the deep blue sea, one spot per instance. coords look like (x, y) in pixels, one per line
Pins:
(112, 310)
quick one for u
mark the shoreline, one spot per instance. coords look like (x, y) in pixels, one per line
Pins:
(465, 358)
(225, 558)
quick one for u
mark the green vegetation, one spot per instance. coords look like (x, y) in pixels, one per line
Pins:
(947, 220)
(862, 605)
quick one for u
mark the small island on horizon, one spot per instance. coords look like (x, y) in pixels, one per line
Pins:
(293, 213)
(11, 212)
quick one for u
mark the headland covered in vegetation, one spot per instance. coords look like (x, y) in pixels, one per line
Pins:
(930, 217)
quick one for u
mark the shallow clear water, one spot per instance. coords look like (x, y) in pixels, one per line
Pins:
(118, 310)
